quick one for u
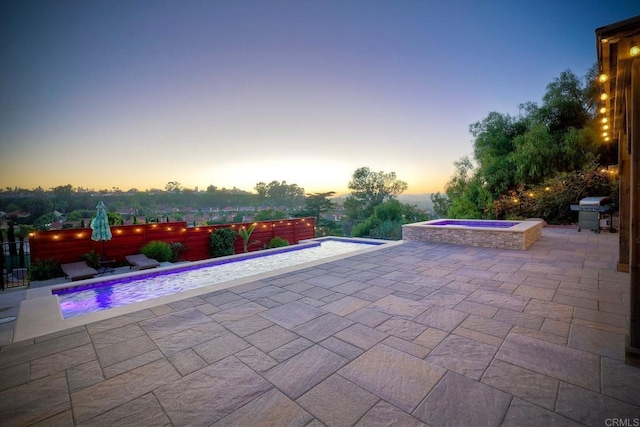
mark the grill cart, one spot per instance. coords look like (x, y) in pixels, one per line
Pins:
(590, 212)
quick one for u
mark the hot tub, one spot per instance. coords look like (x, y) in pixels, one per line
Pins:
(485, 233)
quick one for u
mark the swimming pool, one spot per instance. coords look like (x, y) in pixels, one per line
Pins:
(81, 299)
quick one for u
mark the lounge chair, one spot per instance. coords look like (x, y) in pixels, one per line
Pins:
(141, 261)
(78, 270)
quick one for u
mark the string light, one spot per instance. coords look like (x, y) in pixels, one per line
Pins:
(604, 96)
(603, 110)
(603, 78)
(634, 50)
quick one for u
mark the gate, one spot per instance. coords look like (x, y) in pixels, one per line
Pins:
(14, 260)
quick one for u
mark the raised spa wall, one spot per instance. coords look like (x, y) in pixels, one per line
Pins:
(520, 236)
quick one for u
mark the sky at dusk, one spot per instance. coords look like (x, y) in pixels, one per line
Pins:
(134, 94)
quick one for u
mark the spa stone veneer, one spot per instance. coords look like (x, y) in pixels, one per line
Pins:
(485, 233)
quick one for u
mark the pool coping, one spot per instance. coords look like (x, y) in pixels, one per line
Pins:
(40, 313)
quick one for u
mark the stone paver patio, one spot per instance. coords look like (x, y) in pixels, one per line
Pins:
(415, 334)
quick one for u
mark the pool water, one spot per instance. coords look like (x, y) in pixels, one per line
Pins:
(475, 224)
(77, 301)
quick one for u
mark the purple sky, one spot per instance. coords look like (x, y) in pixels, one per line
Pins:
(134, 94)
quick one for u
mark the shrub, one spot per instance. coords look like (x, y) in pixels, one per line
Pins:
(278, 242)
(92, 259)
(45, 270)
(177, 249)
(221, 242)
(160, 251)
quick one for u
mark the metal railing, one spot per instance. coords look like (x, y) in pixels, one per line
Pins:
(14, 260)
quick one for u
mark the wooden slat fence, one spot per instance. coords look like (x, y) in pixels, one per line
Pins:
(69, 245)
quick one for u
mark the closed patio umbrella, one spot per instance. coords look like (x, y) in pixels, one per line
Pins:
(100, 226)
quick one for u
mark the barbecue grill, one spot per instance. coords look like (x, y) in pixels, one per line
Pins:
(590, 211)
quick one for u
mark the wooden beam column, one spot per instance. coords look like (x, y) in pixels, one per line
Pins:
(632, 351)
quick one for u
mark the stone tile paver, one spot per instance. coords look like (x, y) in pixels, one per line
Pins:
(337, 402)
(384, 414)
(188, 338)
(345, 305)
(211, 393)
(597, 341)
(414, 334)
(528, 385)
(574, 366)
(342, 348)
(144, 410)
(61, 361)
(459, 401)
(271, 409)
(441, 318)
(271, 338)
(292, 314)
(35, 401)
(361, 336)
(621, 381)
(168, 324)
(397, 377)
(84, 375)
(219, 348)
(297, 375)
(591, 408)
(322, 327)
(525, 414)
(463, 355)
(290, 349)
(256, 360)
(186, 361)
(106, 395)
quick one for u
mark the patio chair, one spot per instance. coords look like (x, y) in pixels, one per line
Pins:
(141, 261)
(78, 270)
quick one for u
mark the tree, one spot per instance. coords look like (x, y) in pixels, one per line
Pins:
(316, 204)
(441, 204)
(173, 187)
(262, 190)
(493, 143)
(512, 153)
(568, 103)
(370, 189)
(269, 215)
(387, 219)
(467, 195)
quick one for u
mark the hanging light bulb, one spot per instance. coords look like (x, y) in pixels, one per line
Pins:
(603, 110)
(634, 50)
(604, 96)
(605, 127)
(605, 134)
(604, 120)
(603, 78)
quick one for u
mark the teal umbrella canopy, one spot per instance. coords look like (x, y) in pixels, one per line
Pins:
(100, 224)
